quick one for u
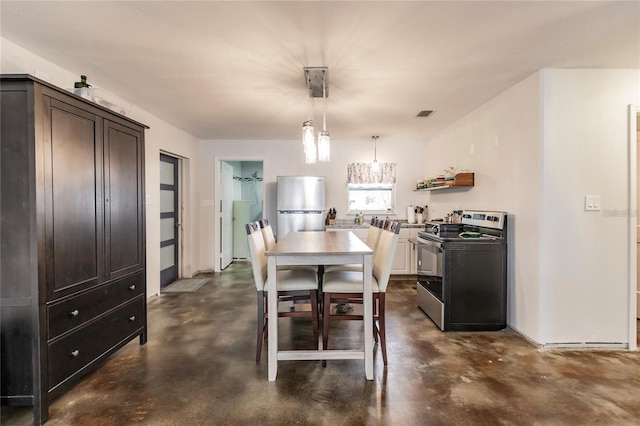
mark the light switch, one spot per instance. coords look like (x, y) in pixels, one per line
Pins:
(592, 202)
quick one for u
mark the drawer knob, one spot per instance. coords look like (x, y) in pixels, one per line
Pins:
(75, 353)
(132, 318)
(74, 313)
(132, 287)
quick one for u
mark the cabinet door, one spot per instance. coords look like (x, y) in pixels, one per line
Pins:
(124, 199)
(73, 198)
(401, 258)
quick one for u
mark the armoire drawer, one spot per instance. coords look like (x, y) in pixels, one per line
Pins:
(75, 311)
(74, 351)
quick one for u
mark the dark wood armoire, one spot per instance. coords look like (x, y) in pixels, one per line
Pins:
(73, 285)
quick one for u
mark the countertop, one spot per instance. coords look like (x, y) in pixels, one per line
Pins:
(349, 224)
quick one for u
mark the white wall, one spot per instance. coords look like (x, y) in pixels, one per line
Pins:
(538, 149)
(286, 158)
(584, 260)
(507, 178)
(160, 137)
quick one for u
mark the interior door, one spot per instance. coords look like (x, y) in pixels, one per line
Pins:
(226, 214)
(168, 219)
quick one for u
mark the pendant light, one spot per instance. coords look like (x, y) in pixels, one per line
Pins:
(324, 143)
(308, 142)
(317, 85)
(375, 166)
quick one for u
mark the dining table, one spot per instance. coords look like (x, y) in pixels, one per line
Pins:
(320, 248)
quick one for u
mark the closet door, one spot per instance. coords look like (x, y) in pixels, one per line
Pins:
(73, 198)
(124, 199)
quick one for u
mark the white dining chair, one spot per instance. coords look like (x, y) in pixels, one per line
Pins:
(270, 241)
(373, 236)
(345, 285)
(293, 285)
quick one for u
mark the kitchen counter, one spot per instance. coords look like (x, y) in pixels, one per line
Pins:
(349, 224)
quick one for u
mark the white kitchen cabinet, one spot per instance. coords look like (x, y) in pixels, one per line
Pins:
(402, 259)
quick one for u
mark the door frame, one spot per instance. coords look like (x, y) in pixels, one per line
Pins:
(179, 213)
(632, 217)
(217, 231)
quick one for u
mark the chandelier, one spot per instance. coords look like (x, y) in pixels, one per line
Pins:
(317, 86)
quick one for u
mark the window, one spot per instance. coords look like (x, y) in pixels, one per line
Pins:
(371, 197)
(371, 189)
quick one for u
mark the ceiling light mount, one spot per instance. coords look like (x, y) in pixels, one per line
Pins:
(316, 77)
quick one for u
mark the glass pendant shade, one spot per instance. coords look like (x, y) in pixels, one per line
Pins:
(308, 133)
(309, 143)
(324, 146)
(310, 154)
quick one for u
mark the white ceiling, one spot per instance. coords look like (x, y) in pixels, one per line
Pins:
(233, 70)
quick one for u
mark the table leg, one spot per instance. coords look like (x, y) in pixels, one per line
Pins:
(367, 301)
(273, 317)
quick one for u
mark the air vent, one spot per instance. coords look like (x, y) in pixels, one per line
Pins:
(424, 113)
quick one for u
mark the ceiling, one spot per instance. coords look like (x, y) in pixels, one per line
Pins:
(234, 70)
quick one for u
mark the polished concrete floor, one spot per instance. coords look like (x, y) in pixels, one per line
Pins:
(198, 368)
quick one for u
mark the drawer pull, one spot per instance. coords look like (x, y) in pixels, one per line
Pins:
(74, 313)
(132, 318)
(132, 287)
(75, 353)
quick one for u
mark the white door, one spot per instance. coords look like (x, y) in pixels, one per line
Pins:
(226, 214)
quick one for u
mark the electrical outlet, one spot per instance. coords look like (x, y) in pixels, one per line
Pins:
(495, 142)
(471, 149)
(592, 202)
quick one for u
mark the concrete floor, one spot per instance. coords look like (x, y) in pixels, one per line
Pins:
(198, 368)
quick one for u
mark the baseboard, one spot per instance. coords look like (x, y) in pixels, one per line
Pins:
(587, 345)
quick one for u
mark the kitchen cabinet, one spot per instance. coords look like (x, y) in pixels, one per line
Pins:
(72, 233)
(461, 180)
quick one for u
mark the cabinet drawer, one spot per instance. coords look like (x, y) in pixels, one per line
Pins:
(78, 349)
(75, 311)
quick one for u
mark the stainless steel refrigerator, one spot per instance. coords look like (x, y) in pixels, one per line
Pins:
(300, 204)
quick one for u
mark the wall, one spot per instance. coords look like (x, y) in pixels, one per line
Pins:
(584, 255)
(537, 149)
(160, 137)
(286, 158)
(500, 143)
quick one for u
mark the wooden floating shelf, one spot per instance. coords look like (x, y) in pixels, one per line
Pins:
(461, 180)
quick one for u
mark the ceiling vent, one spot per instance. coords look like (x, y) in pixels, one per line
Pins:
(424, 113)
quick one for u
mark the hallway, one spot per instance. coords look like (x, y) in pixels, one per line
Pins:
(198, 368)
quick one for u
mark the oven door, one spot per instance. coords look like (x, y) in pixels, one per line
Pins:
(430, 261)
(430, 283)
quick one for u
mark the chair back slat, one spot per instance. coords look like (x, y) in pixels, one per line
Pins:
(383, 255)
(267, 234)
(257, 251)
(373, 236)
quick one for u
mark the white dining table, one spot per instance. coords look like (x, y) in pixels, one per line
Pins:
(320, 248)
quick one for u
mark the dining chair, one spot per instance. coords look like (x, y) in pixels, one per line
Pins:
(373, 236)
(270, 240)
(293, 285)
(339, 286)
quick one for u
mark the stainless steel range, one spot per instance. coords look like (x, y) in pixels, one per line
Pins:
(462, 272)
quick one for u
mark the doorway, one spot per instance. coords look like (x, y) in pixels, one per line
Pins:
(169, 219)
(241, 202)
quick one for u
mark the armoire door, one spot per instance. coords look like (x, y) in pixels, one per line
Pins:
(73, 202)
(124, 200)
